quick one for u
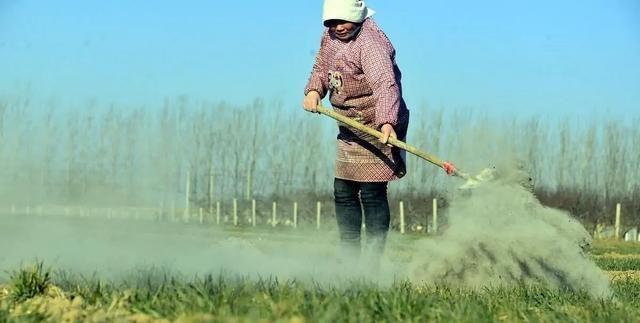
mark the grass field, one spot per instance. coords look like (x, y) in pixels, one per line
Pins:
(36, 292)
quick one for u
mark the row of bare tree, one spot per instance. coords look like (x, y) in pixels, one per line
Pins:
(143, 155)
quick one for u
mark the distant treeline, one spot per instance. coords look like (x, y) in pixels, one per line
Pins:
(143, 155)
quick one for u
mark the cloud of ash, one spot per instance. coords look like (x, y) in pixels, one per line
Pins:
(499, 234)
(118, 249)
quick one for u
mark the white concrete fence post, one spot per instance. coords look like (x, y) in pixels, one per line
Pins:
(211, 179)
(295, 215)
(617, 234)
(235, 212)
(218, 213)
(402, 217)
(253, 213)
(434, 224)
(318, 214)
(187, 197)
(274, 214)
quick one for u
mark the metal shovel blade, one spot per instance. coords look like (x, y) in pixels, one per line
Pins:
(485, 175)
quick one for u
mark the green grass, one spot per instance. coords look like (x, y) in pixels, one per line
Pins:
(274, 300)
(160, 294)
(607, 246)
(163, 295)
(618, 264)
(29, 282)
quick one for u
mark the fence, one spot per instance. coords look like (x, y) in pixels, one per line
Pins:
(250, 215)
(617, 232)
(271, 214)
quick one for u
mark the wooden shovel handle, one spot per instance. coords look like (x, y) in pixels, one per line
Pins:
(393, 141)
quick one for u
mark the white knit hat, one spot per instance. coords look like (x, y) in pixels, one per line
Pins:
(355, 11)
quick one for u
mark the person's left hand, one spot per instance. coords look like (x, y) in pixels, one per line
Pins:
(387, 132)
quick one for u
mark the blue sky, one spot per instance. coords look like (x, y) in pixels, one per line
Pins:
(520, 57)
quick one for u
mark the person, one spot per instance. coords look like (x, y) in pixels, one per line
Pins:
(356, 66)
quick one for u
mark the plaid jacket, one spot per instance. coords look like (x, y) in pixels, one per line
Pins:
(363, 83)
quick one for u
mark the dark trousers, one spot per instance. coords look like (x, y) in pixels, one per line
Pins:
(351, 199)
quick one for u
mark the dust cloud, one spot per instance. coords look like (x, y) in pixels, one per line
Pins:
(499, 234)
(118, 249)
(496, 234)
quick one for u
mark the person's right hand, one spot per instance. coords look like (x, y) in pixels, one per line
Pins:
(311, 101)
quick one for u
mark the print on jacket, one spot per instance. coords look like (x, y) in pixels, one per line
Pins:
(335, 82)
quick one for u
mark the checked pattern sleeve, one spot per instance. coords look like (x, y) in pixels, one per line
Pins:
(378, 65)
(318, 79)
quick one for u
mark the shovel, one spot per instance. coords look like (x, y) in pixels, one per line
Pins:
(449, 168)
